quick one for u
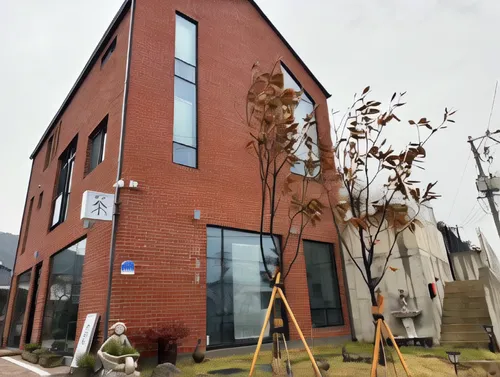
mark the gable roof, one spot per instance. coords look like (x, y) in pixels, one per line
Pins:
(106, 38)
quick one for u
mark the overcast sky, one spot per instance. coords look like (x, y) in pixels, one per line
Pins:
(442, 52)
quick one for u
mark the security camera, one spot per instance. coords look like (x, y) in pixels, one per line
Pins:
(120, 184)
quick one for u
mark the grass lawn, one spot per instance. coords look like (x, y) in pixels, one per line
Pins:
(421, 362)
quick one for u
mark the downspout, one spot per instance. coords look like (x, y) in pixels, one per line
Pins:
(114, 223)
(15, 257)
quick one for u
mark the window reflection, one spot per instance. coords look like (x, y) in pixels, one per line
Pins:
(322, 281)
(238, 290)
(16, 324)
(63, 298)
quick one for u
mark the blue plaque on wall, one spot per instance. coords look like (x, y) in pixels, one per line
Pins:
(128, 268)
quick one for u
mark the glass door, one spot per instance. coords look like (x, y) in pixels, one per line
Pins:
(238, 290)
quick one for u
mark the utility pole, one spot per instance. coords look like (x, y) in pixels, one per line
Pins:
(488, 192)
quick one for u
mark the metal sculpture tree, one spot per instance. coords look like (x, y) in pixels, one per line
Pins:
(276, 137)
(371, 189)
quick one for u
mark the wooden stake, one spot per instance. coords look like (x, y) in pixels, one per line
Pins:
(376, 349)
(264, 325)
(397, 349)
(292, 317)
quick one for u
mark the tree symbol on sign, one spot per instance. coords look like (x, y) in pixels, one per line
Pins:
(100, 206)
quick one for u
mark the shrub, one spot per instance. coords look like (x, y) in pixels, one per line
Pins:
(86, 360)
(113, 347)
(127, 350)
(41, 351)
(30, 347)
(171, 333)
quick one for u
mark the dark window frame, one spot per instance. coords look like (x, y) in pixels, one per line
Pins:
(194, 22)
(66, 166)
(50, 261)
(249, 341)
(336, 285)
(109, 51)
(102, 131)
(18, 277)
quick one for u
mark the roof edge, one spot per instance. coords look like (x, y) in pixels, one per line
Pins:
(105, 39)
(86, 70)
(296, 56)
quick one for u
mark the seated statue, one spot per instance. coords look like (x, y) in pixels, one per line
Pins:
(402, 300)
(124, 363)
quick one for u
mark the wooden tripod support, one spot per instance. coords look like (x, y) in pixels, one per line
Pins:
(377, 311)
(277, 292)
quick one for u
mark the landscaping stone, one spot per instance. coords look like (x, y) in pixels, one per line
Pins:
(165, 370)
(50, 361)
(115, 374)
(31, 357)
(41, 351)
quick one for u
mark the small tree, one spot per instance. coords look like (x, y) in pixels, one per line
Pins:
(276, 137)
(377, 191)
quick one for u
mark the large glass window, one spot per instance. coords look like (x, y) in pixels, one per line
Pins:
(324, 294)
(20, 301)
(238, 290)
(63, 299)
(63, 190)
(304, 108)
(185, 143)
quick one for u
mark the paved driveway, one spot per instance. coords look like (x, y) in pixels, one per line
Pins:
(8, 369)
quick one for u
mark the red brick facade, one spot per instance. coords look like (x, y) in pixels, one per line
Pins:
(156, 228)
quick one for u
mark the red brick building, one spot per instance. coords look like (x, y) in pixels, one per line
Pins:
(182, 139)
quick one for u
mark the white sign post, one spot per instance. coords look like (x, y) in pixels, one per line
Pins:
(85, 341)
(97, 206)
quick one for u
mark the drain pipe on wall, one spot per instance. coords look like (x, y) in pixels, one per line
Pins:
(114, 223)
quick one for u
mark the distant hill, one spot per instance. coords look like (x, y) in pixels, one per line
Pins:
(8, 245)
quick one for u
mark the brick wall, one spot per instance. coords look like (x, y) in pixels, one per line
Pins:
(100, 94)
(156, 228)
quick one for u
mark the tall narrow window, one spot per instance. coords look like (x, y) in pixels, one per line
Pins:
(97, 144)
(63, 189)
(108, 52)
(40, 200)
(48, 153)
(324, 294)
(185, 133)
(304, 108)
(27, 225)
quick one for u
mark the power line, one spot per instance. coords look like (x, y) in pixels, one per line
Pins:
(470, 212)
(492, 104)
(474, 217)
